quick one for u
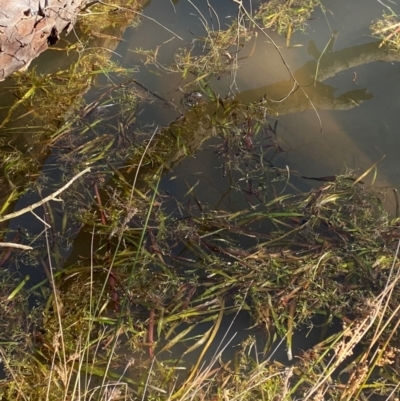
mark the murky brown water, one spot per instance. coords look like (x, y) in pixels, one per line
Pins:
(359, 116)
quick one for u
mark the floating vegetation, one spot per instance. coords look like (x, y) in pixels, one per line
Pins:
(145, 292)
(286, 16)
(388, 30)
(50, 115)
(124, 320)
(213, 55)
(106, 21)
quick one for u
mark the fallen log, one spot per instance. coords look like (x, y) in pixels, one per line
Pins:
(29, 27)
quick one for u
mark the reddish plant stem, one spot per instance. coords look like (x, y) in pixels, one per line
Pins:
(112, 282)
(150, 333)
(102, 215)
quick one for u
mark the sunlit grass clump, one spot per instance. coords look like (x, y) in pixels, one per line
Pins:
(104, 20)
(286, 16)
(213, 55)
(388, 30)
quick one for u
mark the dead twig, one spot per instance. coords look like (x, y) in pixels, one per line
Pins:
(53, 197)
(14, 245)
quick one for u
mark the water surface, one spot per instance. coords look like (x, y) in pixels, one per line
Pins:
(355, 95)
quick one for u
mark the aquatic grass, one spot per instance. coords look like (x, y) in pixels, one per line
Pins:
(331, 199)
(71, 346)
(213, 55)
(286, 16)
(325, 260)
(318, 258)
(50, 114)
(54, 377)
(388, 30)
(104, 21)
(150, 278)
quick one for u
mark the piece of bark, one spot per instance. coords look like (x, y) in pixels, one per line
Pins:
(28, 27)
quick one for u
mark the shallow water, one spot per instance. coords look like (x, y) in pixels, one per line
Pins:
(353, 138)
(357, 101)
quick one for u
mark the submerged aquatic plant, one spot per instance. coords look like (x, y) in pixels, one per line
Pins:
(123, 319)
(331, 251)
